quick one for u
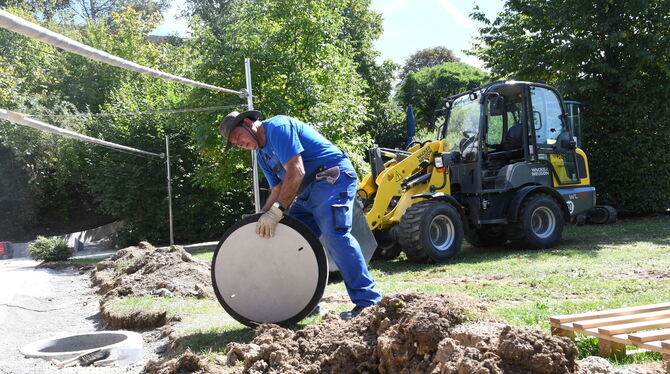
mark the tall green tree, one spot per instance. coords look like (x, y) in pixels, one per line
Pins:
(614, 58)
(133, 187)
(97, 9)
(426, 88)
(426, 58)
(46, 10)
(63, 176)
(29, 75)
(359, 27)
(301, 66)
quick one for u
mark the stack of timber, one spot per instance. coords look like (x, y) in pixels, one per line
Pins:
(646, 327)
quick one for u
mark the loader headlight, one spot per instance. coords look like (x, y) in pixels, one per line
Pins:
(439, 162)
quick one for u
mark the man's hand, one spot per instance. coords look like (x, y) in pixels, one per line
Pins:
(265, 227)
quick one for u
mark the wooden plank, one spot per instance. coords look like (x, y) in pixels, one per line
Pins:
(666, 344)
(608, 313)
(648, 336)
(557, 331)
(565, 326)
(608, 348)
(622, 338)
(634, 327)
(619, 320)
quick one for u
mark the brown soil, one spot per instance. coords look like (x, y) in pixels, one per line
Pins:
(63, 266)
(186, 363)
(407, 333)
(135, 320)
(147, 271)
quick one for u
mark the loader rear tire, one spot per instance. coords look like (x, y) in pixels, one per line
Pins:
(388, 247)
(539, 225)
(431, 230)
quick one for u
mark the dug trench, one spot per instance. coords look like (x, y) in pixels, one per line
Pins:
(404, 333)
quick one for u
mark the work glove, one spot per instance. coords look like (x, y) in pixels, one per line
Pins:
(265, 227)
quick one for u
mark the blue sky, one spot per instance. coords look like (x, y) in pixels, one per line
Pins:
(409, 25)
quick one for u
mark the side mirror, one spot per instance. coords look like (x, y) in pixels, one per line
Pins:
(565, 142)
(496, 105)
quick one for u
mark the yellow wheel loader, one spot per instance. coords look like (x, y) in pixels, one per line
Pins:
(506, 167)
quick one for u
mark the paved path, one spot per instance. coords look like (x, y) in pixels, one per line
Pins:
(37, 304)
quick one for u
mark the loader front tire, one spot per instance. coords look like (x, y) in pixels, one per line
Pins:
(539, 225)
(431, 230)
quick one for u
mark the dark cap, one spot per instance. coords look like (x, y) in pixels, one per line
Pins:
(234, 119)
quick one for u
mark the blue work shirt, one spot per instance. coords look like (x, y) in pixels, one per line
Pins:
(286, 137)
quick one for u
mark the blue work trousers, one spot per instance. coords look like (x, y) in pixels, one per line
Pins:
(327, 209)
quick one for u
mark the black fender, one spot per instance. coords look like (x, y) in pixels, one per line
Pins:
(446, 198)
(523, 192)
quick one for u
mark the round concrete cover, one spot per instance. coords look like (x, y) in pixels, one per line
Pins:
(63, 347)
(277, 280)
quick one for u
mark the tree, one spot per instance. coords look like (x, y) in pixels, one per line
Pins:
(97, 9)
(426, 58)
(53, 193)
(361, 28)
(301, 66)
(426, 88)
(62, 177)
(358, 28)
(47, 10)
(42, 9)
(88, 83)
(614, 58)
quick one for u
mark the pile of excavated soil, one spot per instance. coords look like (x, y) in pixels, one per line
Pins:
(147, 271)
(407, 333)
(186, 363)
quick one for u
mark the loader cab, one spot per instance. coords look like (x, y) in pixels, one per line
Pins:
(510, 134)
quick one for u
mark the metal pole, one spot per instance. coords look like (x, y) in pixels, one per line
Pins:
(250, 105)
(169, 188)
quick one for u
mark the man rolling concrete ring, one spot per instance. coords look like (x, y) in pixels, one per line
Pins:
(314, 179)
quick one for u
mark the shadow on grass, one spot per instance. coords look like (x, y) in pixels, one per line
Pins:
(214, 342)
(201, 250)
(472, 255)
(577, 241)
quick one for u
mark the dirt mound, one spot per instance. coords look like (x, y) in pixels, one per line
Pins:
(62, 266)
(407, 333)
(135, 320)
(147, 271)
(186, 363)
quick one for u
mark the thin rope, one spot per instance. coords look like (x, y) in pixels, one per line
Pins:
(21, 26)
(24, 120)
(167, 111)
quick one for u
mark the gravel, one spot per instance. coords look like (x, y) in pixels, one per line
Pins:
(37, 304)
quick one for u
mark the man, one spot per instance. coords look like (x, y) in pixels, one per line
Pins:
(316, 181)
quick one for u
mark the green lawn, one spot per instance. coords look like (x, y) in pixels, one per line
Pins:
(593, 268)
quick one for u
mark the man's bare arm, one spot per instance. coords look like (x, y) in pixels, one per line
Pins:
(287, 189)
(274, 195)
(295, 172)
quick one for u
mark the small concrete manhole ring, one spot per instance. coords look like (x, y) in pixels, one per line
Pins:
(126, 344)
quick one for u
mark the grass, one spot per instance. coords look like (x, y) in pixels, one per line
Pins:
(593, 268)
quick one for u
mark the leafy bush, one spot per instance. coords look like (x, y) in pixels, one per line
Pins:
(47, 249)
